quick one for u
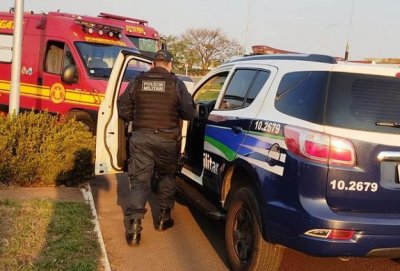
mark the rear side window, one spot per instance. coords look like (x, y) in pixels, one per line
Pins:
(359, 101)
(302, 95)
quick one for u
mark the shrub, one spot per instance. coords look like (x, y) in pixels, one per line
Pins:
(37, 150)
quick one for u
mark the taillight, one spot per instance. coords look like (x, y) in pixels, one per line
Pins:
(319, 147)
(341, 152)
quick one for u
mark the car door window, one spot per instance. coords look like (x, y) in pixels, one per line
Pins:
(210, 90)
(243, 88)
(258, 83)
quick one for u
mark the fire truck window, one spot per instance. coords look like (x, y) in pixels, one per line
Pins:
(6, 42)
(54, 58)
(68, 58)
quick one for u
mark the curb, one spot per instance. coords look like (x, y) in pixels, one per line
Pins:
(87, 195)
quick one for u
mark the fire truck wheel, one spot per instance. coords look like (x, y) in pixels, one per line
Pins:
(84, 118)
(246, 249)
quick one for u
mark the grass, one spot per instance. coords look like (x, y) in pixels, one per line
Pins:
(47, 235)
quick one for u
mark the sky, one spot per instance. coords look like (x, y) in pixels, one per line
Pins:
(369, 27)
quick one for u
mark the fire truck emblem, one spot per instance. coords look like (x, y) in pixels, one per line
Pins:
(57, 93)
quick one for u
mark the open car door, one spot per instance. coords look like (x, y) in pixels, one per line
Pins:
(112, 133)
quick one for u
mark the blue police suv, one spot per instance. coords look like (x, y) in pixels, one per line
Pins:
(298, 151)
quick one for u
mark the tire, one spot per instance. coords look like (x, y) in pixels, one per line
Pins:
(83, 117)
(246, 249)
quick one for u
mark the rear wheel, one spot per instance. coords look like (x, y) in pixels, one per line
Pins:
(245, 246)
(83, 117)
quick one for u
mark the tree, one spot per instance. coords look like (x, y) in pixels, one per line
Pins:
(182, 55)
(202, 48)
(207, 47)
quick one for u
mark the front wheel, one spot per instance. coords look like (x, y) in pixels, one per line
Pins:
(245, 246)
(83, 117)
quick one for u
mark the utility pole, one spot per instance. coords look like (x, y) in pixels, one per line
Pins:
(13, 107)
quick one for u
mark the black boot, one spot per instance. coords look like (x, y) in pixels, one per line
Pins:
(133, 234)
(164, 220)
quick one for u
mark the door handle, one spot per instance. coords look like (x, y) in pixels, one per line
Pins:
(237, 129)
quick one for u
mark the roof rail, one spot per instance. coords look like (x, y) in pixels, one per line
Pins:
(311, 57)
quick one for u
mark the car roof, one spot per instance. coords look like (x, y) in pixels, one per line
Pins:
(302, 57)
(317, 61)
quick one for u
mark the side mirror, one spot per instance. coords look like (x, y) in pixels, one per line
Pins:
(69, 74)
(201, 111)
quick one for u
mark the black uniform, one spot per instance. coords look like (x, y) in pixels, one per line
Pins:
(154, 101)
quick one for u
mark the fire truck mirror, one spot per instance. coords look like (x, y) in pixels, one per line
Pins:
(69, 74)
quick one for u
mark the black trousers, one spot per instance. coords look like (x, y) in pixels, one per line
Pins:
(151, 150)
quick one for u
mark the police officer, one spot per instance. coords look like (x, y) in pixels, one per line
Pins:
(154, 101)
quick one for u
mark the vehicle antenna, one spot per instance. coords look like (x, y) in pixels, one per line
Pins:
(346, 54)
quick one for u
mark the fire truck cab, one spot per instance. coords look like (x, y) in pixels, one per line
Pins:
(145, 38)
(65, 64)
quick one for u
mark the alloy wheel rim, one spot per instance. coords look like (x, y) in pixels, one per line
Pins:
(243, 237)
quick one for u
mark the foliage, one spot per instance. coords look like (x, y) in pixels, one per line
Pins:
(202, 48)
(384, 60)
(38, 150)
(47, 235)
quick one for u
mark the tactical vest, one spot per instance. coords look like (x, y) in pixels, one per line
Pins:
(156, 101)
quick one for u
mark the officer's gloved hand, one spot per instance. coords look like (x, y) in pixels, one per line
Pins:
(183, 157)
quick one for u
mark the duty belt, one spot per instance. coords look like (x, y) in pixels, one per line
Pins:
(170, 133)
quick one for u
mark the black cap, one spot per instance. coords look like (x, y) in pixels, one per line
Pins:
(164, 55)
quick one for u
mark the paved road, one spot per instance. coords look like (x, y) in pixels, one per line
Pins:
(194, 243)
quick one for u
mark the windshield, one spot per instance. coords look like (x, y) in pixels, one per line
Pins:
(144, 44)
(100, 58)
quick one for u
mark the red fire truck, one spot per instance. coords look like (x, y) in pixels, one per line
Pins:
(65, 65)
(145, 38)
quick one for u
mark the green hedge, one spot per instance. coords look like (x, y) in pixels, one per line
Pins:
(37, 150)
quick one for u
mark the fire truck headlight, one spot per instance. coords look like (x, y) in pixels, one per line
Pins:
(90, 30)
(120, 35)
(101, 32)
(111, 34)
